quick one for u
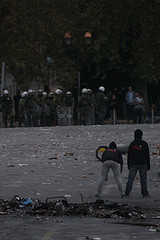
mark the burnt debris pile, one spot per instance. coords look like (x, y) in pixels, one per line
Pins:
(57, 206)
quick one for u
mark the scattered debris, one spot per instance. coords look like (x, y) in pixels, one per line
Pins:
(55, 206)
(11, 165)
(26, 201)
(67, 195)
(22, 164)
(68, 154)
(91, 238)
(91, 173)
(152, 227)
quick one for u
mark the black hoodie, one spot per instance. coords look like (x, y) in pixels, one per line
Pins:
(113, 154)
(138, 153)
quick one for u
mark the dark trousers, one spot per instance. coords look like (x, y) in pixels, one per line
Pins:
(130, 111)
(138, 116)
(143, 178)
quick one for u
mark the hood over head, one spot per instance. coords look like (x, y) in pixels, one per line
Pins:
(113, 145)
(138, 134)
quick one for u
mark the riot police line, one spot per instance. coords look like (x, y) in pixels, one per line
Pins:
(39, 109)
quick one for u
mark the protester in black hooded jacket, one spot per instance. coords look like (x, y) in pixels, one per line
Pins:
(111, 158)
(138, 159)
(138, 153)
(112, 153)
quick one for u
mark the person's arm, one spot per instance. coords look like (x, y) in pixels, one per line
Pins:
(121, 160)
(126, 97)
(129, 157)
(103, 156)
(148, 157)
(142, 102)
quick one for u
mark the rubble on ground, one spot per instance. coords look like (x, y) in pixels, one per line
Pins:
(56, 206)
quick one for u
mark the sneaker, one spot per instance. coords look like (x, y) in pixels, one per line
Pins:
(97, 195)
(147, 196)
(124, 195)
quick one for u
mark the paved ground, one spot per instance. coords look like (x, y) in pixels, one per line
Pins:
(60, 161)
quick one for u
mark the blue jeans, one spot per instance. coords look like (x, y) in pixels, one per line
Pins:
(143, 178)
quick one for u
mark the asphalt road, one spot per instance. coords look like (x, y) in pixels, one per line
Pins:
(60, 161)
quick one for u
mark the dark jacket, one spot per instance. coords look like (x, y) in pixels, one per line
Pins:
(7, 103)
(138, 153)
(101, 100)
(113, 154)
(85, 103)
